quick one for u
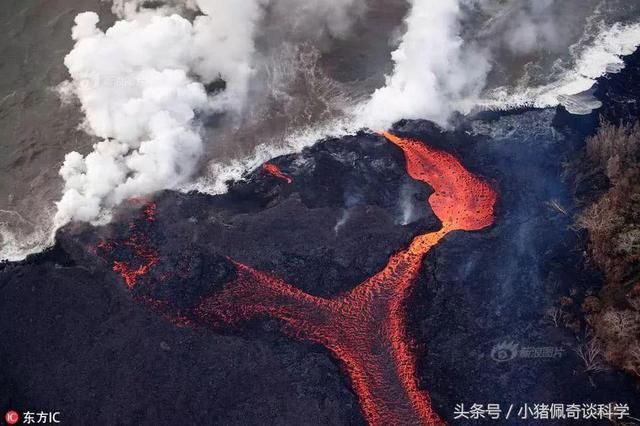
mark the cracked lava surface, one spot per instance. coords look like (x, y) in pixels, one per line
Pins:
(364, 328)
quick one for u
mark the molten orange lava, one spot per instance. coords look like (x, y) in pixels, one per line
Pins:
(274, 170)
(461, 200)
(365, 328)
(145, 258)
(150, 211)
(149, 207)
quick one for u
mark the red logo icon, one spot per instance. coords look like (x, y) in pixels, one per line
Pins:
(11, 417)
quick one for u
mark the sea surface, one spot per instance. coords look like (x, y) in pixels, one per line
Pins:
(566, 45)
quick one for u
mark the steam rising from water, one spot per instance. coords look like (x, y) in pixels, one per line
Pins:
(150, 86)
(435, 72)
(445, 62)
(141, 84)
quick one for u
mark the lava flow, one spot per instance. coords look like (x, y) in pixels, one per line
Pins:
(274, 170)
(141, 258)
(366, 328)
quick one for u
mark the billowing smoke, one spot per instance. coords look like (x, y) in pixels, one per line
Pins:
(534, 28)
(457, 55)
(131, 8)
(185, 94)
(435, 73)
(141, 86)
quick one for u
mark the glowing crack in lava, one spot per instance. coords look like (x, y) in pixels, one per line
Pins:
(274, 170)
(365, 328)
(143, 257)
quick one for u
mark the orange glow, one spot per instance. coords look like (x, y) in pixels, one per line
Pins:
(150, 211)
(145, 258)
(149, 207)
(274, 170)
(364, 328)
(461, 200)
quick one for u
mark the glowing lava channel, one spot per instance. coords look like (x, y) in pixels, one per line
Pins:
(365, 328)
(274, 170)
(142, 257)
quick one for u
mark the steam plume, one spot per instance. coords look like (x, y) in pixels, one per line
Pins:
(434, 73)
(140, 85)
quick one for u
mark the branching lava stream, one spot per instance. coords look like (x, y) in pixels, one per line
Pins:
(366, 328)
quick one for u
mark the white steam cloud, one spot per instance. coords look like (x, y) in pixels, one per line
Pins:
(140, 85)
(435, 73)
(533, 28)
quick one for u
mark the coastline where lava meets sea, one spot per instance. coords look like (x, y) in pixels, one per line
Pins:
(364, 328)
(290, 278)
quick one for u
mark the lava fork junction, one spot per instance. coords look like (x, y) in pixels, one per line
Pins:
(365, 328)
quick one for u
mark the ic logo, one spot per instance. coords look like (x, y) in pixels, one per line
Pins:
(504, 351)
(11, 417)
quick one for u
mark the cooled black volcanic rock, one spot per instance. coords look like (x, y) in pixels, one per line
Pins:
(121, 355)
(76, 340)
(620, 92)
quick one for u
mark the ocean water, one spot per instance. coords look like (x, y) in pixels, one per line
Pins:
(541, 53)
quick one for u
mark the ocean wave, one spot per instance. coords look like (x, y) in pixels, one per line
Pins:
(603, 55)
(598, 52)
(16, 245)
(219, 173)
